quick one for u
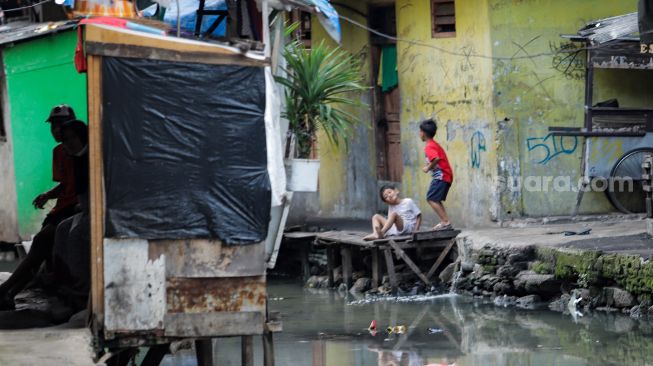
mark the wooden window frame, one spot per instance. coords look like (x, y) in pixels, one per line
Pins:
(434, 22)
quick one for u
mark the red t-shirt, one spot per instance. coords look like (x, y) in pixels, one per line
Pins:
(442, 170)
(63, 171)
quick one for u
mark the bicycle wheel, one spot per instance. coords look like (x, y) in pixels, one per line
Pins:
(625, 189)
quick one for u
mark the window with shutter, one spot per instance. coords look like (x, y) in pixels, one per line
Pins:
(443, 18)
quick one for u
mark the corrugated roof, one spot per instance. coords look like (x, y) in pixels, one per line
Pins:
(604, 30)
(24, 31)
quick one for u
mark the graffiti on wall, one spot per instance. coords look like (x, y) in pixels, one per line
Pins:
(477, 146)
(569, 59)
(551, 146)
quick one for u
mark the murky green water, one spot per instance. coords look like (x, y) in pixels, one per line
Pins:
(321, 328)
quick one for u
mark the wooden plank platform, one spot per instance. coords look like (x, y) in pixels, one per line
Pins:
(299, 235)
(344, 242)
(418, 239)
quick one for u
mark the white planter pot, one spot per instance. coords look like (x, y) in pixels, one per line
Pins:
(302, 174)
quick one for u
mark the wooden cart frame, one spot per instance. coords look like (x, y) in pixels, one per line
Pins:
(202, 288)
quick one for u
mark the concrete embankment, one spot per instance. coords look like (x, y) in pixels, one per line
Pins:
(606, 269)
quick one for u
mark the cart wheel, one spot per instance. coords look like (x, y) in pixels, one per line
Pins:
(629, 167)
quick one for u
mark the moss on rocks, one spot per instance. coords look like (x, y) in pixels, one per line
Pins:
(541, 267)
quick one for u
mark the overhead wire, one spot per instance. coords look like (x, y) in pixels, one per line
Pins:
(460, 54)
(26, 6)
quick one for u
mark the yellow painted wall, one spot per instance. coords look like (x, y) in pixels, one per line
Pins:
(439, 80)
(494, 90)
(535, 93)
(347, 179)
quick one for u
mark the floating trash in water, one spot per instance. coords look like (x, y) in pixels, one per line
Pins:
(277, 298)
(397, 329)
(401, 299)
(434, 330)
(372, 328)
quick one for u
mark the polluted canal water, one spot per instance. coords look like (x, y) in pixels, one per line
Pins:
(324, 327)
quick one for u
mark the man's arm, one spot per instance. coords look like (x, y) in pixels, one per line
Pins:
(43, 198)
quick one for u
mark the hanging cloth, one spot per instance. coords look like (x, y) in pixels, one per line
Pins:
(388, 77)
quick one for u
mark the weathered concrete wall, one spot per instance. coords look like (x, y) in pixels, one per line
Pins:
(494, 90)
(39, 74)
(455, 88)
(8, 214)
(347, 182)
(539, 90)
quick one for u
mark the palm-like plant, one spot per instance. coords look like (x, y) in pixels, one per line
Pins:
(315, 90)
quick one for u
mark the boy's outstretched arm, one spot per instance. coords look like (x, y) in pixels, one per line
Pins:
(428, 167)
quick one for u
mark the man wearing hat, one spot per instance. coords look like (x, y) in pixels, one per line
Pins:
(63, 172)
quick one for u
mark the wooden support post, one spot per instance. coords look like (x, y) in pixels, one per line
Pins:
(391, 270)
(155, 355)
(330, 266)
(268, 349)
(306, 267)
(345, 252)
(441, 258)
(400, 252)
(247, 350)
(204, 352)
(96, 190)
(375, 268)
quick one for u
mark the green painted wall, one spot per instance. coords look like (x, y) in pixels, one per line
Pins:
(39, 75)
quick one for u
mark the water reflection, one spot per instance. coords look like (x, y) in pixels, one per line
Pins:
(322, 328)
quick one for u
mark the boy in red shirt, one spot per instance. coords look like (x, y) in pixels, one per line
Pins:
(438, 165)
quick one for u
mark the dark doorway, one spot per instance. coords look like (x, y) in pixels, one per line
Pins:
(387, 104)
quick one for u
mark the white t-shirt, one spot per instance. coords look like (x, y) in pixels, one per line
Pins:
(408, 211)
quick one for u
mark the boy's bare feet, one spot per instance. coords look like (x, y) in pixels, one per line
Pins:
(443, 226)
(370, 237)
(379, 232)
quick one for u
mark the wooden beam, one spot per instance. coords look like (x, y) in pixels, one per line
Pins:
(155, 355)
(96, 188)
(204, 352)
(391, 270)
(440, 259)
(247, 350)
(347, 270)
(435, 234)
(306, 266)
(330, 266)
(132, 51)
(268, 349)
(375, 268)
(113, 39)
(215, 324)
(400, 252)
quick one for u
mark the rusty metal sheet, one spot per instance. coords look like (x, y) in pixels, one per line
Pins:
(209, 258)
(206, 295)
(134, 286)
(214, 324)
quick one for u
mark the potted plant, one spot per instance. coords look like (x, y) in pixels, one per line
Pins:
(316, 85)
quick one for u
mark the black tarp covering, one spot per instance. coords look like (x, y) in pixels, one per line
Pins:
(646, 21)
(184, 151)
